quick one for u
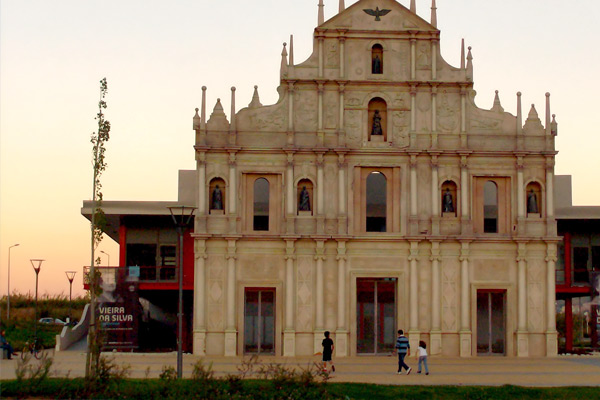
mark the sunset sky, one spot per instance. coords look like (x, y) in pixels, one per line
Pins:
(156, 56)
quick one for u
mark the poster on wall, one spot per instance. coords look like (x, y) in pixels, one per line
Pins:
(596, 308)
(119, 309)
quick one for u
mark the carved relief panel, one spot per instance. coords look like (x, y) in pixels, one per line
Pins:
(304, 299)
(305, 110)
(450, 276)
(448, 112)
(216, 292)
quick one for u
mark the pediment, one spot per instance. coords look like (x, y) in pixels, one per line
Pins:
(399, 18)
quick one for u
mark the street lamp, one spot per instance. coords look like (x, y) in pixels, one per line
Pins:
(8, 293)
(39, 262)
(108, 255)
(182, 215)
(70, 277)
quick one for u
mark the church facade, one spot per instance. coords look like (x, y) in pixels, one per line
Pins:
(374, 196)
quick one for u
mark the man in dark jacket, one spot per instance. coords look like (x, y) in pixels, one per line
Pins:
(403, 348)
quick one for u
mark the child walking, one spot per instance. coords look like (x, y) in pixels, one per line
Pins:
(422, 354)
(327, 352)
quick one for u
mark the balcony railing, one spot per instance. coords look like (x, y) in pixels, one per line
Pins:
(166, 274)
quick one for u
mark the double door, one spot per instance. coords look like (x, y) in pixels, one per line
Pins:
(375, 315)
(259, 321)
(491, 322)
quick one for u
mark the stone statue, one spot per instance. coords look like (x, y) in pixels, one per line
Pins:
(376, 129)
(304, 203)
(217, 199)
(376, 65)
(532, 206)
(448, 202)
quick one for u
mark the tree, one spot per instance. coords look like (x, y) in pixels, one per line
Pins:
(98, 224)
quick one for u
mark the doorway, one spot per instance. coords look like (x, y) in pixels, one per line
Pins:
(375, 315)
(259, 321)
(491, 322)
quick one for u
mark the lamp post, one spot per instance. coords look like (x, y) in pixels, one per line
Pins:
(70, 277)
(37, 268)
(108, 255)
(182, 215)
(8, 280)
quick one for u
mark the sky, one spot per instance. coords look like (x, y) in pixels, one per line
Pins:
(157, 55)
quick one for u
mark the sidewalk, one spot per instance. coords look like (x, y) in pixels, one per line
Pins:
(487, 371)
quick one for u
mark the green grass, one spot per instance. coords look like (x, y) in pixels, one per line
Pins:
(148, 389)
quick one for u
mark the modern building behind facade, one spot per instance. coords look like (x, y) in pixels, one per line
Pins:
(374, 195)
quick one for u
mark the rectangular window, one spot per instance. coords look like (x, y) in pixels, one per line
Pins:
(580, 265)
(491, 202)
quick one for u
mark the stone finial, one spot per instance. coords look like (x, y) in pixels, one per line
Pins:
(342, 6)
(284, 63)
(203, 110)
(547, 122)
(218, 119)
(469, 65)
(519, 114)
(232, 126)
(413, 6)
(533, 125)
(218, 109)
(462, 54)
(497, 107)
(291, 60)
(196, 125)
(554, 126)
(433, 14)
(321, 17)
(255, 103)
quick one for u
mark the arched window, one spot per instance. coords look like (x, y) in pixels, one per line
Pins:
(261, 205)
(376, 202)
(533, 198)
(216, 196)
(490, 207)
(377, 59)
(377, 128)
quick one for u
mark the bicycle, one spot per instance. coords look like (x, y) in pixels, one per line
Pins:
(33, 348)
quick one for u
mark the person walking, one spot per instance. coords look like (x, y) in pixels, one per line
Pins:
(422, 355)
(327, 352)
(403, 348)
(5, 345)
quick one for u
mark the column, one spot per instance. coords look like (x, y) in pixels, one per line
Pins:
(463, 116)
(413, 55)
(413, 219)
(320, 212)
(435, 197)
(320, 41)
(413, 116)
(341, 127)
(199, 334)
(551, 334)
(341, 333)
(464, 196)
(465, 302)
(201, 200)
(434, 134)
(413, 299)
(231, 329)
(232, 193)
(435, 336)
(342, 41)
(522, 334)
(550, 220)
(342, 196)
(320, 132)
(290, 128)
(319, 295)
(521, 215)
(289, 333)
(434, 44)
(290, 195)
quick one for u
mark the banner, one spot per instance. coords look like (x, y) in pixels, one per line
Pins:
(119, 309)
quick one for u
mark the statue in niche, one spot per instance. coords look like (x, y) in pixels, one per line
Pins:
(304, 203)
(217, 199)
(448, 203)
(532, 206)
(376, 129)
(376, 65)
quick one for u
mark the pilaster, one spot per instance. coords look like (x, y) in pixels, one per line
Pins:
(522, 333)
(465, 302)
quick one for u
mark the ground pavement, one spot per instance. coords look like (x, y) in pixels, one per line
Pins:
(488, 371)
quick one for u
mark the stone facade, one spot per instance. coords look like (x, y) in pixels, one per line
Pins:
(378, 212)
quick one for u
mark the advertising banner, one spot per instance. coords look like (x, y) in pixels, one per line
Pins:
(119, 309)
(596, 309)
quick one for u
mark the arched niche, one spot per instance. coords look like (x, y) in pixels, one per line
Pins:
(449, 197)
(304, 197)
(260, 205)
(533, 199)
(377, 128)
(216, 196)
(377, 59)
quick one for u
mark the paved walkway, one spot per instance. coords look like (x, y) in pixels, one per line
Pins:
(489, 371)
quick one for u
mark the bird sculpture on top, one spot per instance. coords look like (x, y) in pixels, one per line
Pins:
(377, 13)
